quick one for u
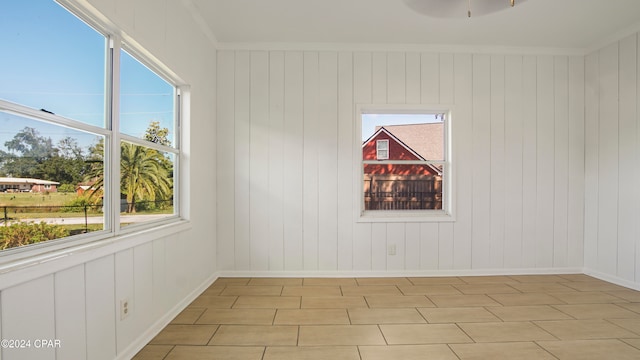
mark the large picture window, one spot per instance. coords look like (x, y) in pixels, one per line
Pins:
(405, 162)
(71, 96)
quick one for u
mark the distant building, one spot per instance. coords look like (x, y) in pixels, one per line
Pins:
(11, 184)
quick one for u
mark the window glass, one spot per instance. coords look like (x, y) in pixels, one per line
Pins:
(404, 161)
(51, 60)
(146, 100)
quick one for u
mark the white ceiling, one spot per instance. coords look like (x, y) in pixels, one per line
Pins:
(567, 24)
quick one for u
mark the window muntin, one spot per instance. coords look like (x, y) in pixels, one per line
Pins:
(414, 177)
(52, 60)
(83, 125)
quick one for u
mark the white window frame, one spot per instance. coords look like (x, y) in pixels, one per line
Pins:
(440, 215)
(19, 257)
(380, 149)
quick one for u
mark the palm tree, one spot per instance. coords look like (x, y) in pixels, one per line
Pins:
(143, 174)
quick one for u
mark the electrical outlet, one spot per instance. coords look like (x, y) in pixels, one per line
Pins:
(391, 249)
(125, 308)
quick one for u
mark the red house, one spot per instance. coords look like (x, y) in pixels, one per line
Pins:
(392, 186)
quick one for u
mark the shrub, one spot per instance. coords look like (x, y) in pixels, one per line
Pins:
(67, 188)
(22, 233)
(78, 204)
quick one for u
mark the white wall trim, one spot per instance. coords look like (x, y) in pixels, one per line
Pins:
(162, 322)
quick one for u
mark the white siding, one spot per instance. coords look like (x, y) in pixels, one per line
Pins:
(517, 143)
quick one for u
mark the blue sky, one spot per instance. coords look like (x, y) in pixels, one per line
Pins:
(51, 60)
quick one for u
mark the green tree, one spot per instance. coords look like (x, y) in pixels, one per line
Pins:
(27, 152)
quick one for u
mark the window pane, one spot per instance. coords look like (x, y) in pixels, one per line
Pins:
(51, 60)
(402, 187)
(146, 103)
(48, 187)
(146, 185)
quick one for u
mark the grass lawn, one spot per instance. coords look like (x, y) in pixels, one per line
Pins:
(35, 199)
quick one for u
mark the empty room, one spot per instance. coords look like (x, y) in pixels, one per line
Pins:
(290, 179)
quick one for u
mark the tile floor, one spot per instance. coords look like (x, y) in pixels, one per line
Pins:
(482, 317)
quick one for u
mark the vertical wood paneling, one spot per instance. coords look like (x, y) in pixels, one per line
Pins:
(413, 78)
(513, 161)
(327, 161)
(445, 95)
(637, 192)
(446, 79)
(379, 246)
(125, 328)
(276, 160)
(412, 246)
(396, 78)
(628, 204)
(225, 160)
(242, 146)
(259, 160)
(430, 247)
(345, 161)
(430, 77)
(497, 177)
(545, 171)
(310, 161)
(530, 239)
(561, 162)
(28, 313)
(293, 158)
(592, 120)
(143, 287)
(396, 237)
(463, 146)
(362, 94)
(379, 78)
(101, 308)
(71, 323)
(608, 161)
(481, 163)
(576, 197)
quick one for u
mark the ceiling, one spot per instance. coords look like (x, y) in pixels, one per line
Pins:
(566, 24)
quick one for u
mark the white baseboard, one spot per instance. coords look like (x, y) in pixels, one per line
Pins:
(144, 338)
(613, 279)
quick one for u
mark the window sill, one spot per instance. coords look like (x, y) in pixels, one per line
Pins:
(405, 216)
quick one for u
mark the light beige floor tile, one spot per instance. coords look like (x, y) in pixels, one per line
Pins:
(501, 351)
(462, 300)
(213, 290)
(189, 315)
(310, 290)
(337, 302)
(311, 353)
(629, 295)
(591, 350)
(275, 281)
(185, 335)
(542, 287)
(215, 352)
(629, 324)
(584, 329)
(218, 302)
(329, 282)
(335, 335)
(587, 297)
(396, 301)
(383, 281)
(312, 317)
(370, 290)
(429, 290)
(488, 280)
(386, 316)
(436, 280)
(226, 281)
(597, 285)
(153, 352)
(525, 299)
(528, 313)
(237, 316)
(417, 334)
(267, 302)
(471, 289)
(457, 315)
(635, 307)
(633, 342)
(407, 352)
(258, 335)
(537, 278)
(577, 277)
(505, 332)
(597, 311)
(264, 290)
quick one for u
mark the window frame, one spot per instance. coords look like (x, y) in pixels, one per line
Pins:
(378, 149)
(440, 215)
(115, 41)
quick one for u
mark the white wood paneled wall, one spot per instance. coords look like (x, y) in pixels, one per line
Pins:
(286, 147)
(612, 160)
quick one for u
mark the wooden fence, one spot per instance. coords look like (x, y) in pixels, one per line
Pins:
(402, 192)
